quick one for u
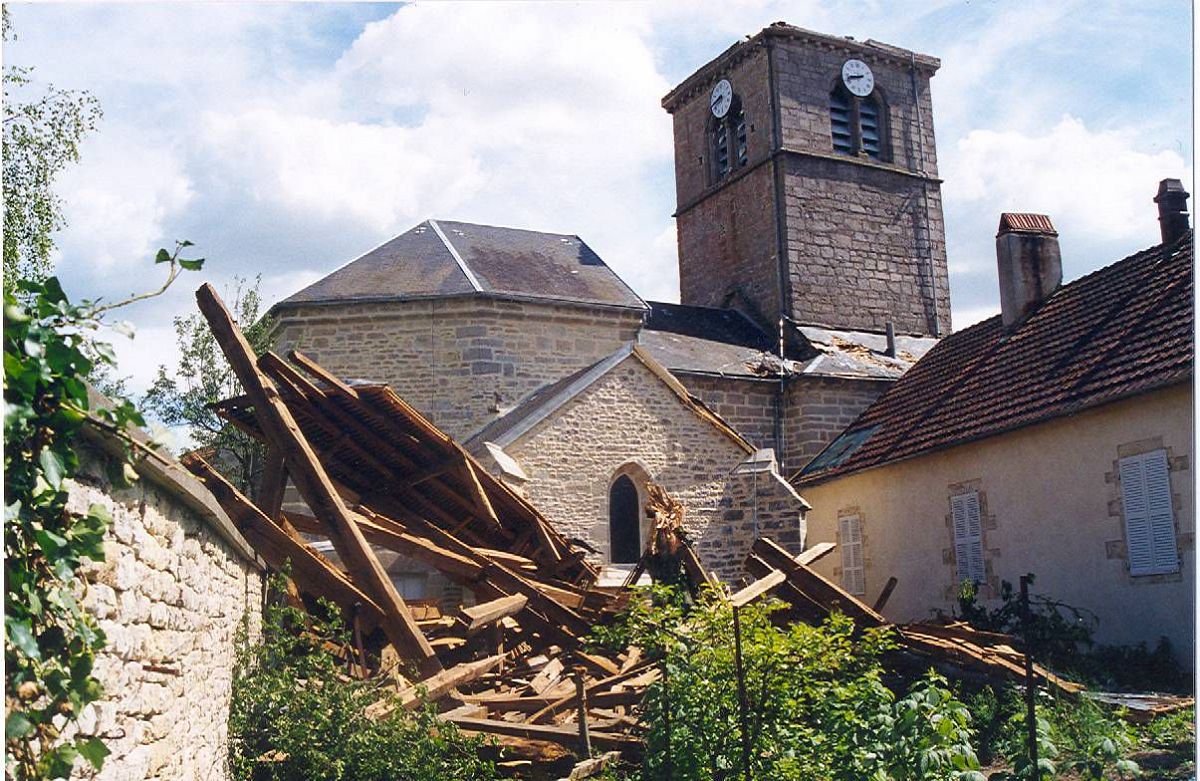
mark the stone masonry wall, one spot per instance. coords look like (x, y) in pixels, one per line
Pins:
(171, 597)
(629, 420)
(457, 360)
(818, 410)
(747, 405)
(856, 238)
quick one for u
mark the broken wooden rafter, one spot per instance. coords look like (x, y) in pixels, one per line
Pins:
(313, 483)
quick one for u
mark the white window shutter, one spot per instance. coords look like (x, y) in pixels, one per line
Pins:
(968, 537)
(853, 568)
(1149, 515)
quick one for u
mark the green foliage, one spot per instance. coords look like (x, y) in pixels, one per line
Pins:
(1171, 732)
(1133, 668)
(51, 642)
(182, 397)
(1055, 631)
(296, 715)
(817, 704)
(42, 133)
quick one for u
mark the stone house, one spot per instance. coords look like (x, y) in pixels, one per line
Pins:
(812, 275)
(1054, 439)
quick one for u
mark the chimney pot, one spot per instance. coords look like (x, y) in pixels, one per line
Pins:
(1028, 262)
(1172, 210)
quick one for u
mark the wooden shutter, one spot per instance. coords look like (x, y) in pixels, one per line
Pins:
(968, 537)
(1149, 516)
(854, 577)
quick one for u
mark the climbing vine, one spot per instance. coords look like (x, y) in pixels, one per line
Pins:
(51, 642)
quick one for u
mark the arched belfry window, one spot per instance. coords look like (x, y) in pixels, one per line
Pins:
(729, 140)
(857, 125)
(624, 521)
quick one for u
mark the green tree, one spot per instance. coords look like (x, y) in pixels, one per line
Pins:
(42, 132)
(296, 715)
(50, 346)
(184, 397)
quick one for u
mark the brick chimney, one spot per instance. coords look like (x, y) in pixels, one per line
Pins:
(1028, 262)
(1172, 210)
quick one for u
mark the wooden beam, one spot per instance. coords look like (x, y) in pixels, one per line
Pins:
(317, 574)
(816, 552)
(273, 485)
(563, 736)
(815, 586)
(885, 595)
(480, 616)
(451, 564)
(757, 588)
(434, 687)
(310, 478)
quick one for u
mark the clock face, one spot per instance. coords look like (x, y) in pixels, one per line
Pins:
(721, 98)
(857, 77)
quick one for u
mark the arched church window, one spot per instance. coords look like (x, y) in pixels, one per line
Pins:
(857, 125)
(624, 521)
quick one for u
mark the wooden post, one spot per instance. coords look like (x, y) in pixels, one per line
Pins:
(1030, 679)
(315, 487)
(743, 706)
(885, 595)
(581, 691)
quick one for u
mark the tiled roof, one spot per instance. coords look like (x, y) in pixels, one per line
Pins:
(1122, 330)
(443, 258)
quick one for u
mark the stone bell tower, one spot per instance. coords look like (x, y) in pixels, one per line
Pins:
(806, 184)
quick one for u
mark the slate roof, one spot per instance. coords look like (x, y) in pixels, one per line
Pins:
(444, 258)
(1123, 330)
(724, 342)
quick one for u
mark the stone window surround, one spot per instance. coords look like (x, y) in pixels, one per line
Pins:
(730, 123)
(854, 510)
(1116, 549)
(882, 103)
(637, 472)
(990, 587)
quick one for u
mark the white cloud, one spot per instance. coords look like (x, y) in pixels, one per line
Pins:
(1094, 182)
(119, 201)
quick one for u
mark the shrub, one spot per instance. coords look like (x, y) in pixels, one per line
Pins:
(817, 703)
(296, 715)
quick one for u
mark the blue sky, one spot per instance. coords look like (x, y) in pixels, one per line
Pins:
(287, 139)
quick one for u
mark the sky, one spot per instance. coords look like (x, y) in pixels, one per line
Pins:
(287, 139)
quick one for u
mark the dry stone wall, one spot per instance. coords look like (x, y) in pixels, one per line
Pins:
(171, 596)
(457, 360)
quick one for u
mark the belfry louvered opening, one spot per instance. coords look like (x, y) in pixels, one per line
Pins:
(857, 126)
(729, 141)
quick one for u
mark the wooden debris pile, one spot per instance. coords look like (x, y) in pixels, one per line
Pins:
(956, 646)
(377, 475)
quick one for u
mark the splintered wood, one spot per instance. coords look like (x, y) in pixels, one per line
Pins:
(376, 475)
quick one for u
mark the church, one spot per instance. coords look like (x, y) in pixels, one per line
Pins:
(813, 274)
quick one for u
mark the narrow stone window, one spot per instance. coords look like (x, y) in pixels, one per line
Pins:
(624, 522)
(729, 140)
(857, 125)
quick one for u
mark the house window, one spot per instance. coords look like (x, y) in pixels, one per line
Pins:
(730, 142)
(1149, 515)
(854, 577)
(968, 537)
(857, 125)
(624, 521)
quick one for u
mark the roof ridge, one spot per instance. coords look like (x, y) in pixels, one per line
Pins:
(462, 264)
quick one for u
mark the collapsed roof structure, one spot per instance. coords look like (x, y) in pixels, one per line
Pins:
(375, 473)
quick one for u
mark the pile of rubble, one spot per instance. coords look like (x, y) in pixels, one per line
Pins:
(375, 473)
